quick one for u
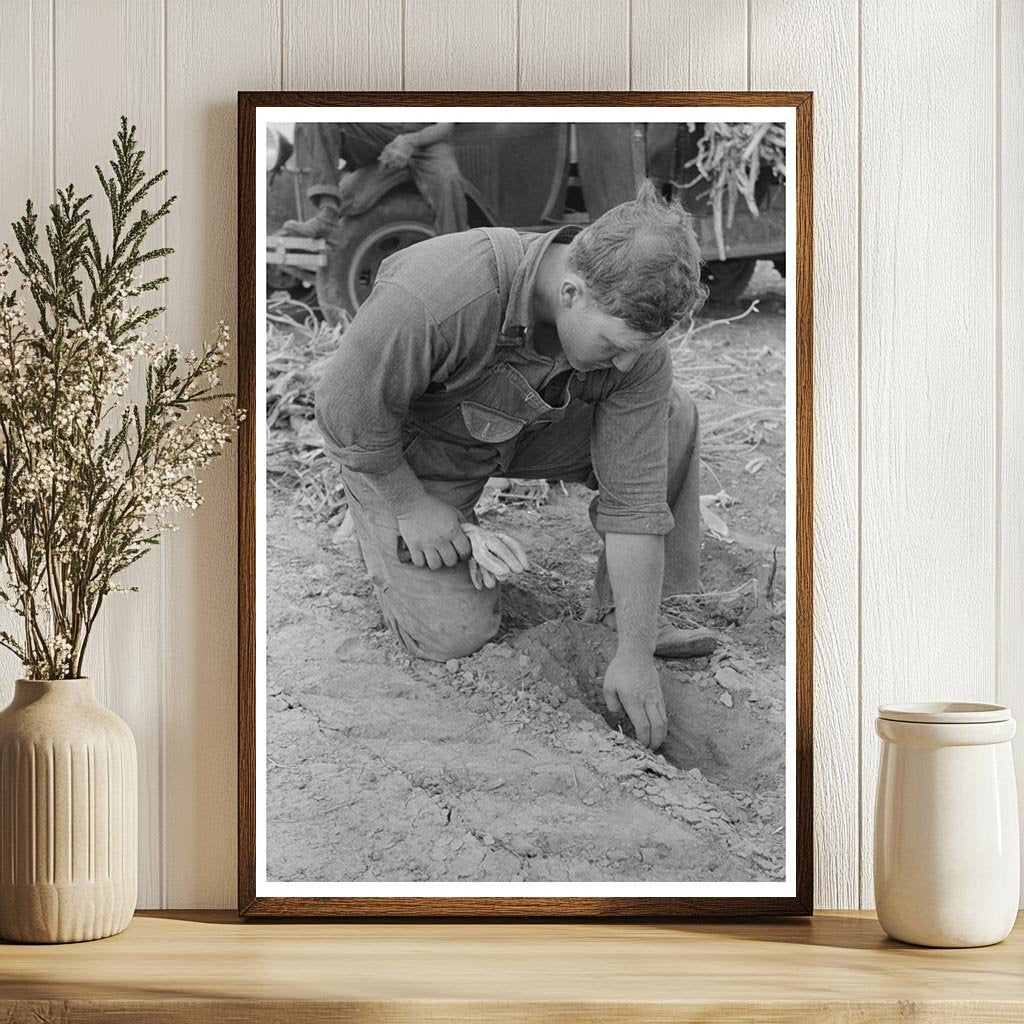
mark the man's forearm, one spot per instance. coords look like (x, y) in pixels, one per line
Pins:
(431, 134)
(636, 565)
(400, 489)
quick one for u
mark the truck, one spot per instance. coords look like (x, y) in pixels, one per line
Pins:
(526, 175)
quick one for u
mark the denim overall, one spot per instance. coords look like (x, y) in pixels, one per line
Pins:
(500, 426)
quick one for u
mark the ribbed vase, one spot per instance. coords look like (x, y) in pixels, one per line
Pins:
(68, 815)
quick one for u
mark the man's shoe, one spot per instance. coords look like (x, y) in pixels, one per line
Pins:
(320, 225)
(674, 642)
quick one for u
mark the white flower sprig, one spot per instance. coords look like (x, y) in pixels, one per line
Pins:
(89, 479)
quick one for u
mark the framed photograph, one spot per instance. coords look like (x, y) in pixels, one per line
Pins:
(525, 504)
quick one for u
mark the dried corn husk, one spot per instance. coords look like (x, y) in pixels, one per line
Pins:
(729, 156)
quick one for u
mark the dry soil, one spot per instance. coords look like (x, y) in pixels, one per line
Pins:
(506, 765)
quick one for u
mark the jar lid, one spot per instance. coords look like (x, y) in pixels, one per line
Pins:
(944, 713)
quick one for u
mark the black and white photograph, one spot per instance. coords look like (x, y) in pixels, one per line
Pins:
(525, 500)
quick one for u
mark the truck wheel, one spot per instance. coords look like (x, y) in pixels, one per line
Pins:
(280, 279)
(727, 279)
(358, 245)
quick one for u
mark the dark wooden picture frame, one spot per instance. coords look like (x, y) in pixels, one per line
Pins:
(252, 905)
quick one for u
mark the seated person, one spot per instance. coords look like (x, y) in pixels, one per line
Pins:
(421, 147)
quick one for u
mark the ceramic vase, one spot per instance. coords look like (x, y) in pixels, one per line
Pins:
(68, 815)
(947, 846)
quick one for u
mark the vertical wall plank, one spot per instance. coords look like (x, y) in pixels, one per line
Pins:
(469, 45)
(213, 51)
(125, 655)
(26, 108)
(1011, 263)
(342, 44)
(781, 59)
(700, 44)
(575, 44)
(928, 364)
(26, 126)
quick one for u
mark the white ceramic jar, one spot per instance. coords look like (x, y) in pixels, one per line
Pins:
(947, 846)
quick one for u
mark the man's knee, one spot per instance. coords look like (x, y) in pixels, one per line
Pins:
(439, 631)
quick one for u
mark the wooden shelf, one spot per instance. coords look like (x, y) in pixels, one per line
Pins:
(203, 967)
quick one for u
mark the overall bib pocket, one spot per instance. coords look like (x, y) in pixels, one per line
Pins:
(488, 424)
(493, 411)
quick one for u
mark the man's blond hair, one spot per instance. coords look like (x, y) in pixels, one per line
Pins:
(641, 262)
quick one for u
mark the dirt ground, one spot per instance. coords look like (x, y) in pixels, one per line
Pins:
(505, 765)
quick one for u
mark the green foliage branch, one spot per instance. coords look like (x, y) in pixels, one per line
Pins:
(89, 478)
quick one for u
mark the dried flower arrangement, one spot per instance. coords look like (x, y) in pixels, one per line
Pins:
(88, 477)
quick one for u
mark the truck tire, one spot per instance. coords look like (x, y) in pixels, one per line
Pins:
(358, 245)
(727, 279)
(281, 279)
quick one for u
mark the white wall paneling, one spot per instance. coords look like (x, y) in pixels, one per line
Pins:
(477, 38)
(781, 59)
(928, 356)
(574, 44)
(341, 44)
(213, 51)
(919, 304)
(701, 44)
(26, 126)
(126, 646)
(1009, 237)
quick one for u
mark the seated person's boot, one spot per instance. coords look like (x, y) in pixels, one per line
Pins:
(320, 225)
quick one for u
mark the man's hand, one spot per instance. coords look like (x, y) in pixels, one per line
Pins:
(631, 683)
(433, 534)
(398, 152)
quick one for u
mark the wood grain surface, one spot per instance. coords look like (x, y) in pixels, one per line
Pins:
(198, 967)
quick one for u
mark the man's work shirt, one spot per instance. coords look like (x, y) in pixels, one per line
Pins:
(438, 368)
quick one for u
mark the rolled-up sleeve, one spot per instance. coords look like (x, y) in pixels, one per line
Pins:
(384, 359)
(629, 449)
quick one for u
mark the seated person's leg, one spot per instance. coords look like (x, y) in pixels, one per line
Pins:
(358, 145)
(435, 170)
(363, 141)
(323, 142)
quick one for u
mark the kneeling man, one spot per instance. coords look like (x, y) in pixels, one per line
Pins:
(494, 352)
